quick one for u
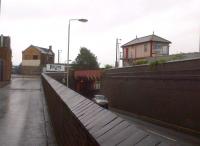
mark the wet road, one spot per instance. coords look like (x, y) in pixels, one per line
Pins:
(24, 118)
(173, 137)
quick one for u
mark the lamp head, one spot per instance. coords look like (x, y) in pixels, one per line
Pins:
(83, 20)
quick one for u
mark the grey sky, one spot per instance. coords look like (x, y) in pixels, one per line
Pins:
(44, 23)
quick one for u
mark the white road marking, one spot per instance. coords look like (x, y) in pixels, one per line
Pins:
(161, 135)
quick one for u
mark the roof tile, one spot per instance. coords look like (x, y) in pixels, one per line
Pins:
(149, 38)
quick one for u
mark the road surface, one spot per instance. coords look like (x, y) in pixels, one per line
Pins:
(24, 118)
(171, 136)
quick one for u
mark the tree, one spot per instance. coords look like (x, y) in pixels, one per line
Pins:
(108, 66)
(85, 60)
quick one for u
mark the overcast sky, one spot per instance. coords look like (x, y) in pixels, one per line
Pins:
(45, 22)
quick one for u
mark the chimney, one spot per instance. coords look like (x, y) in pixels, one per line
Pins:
(1, 40)
(136, 36)
(50, 47)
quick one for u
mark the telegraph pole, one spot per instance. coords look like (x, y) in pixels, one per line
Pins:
(199, 39)
(59, 51)
(116, 63)
(117, 53)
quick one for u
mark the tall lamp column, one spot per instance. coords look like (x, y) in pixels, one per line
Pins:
(81, 20)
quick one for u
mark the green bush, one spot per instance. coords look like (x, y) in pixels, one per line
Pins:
(153, 64)
(161, 61)
(141, 62)
(178, 56)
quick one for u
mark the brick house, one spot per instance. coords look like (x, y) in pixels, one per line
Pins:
(144, 47)
(34, 58)
(5, 58)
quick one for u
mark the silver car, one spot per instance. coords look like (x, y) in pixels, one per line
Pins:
(101, 100)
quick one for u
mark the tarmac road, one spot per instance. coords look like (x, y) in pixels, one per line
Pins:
(173, 137)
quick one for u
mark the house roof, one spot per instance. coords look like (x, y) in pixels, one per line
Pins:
(43, 50)
(148, 38)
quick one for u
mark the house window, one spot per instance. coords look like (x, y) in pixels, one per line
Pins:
(165, 50)
(50, 58)
(158, 49)
(35, 57)
(158, 46)
(145, 47)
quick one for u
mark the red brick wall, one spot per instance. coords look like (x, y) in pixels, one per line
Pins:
(5, 55)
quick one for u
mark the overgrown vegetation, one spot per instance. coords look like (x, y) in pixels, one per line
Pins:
(178, 56)
(139, 62)
(108, 66)
(153, 64)
(160, 60)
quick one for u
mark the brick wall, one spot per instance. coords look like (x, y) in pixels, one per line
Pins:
(5, 56)
(167, 94)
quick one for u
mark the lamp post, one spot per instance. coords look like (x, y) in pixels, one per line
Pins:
(0, 7)
(81, 20)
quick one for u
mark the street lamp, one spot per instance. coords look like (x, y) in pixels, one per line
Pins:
(0, 7)
(81, 20)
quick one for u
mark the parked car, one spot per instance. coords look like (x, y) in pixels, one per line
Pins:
(101, 100)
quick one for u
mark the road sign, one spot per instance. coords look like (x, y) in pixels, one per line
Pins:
(55, 68)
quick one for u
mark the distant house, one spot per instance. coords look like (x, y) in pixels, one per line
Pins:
(144, 47)
(35, 58)
(5, 58)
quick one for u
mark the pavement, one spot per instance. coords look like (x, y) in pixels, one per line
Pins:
(174, 138)
(24, 120)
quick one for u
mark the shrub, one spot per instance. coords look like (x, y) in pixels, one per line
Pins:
(178, 56)
(141, 62)
(153, 64)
